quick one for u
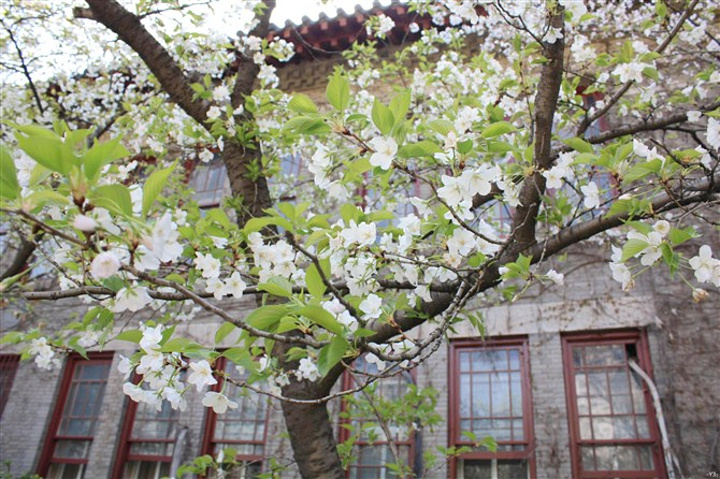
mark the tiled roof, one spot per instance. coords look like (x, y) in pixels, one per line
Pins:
(329, 36)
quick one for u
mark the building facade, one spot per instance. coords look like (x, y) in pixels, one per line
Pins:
(555, 379)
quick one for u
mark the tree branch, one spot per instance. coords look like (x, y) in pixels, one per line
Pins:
(130, 30)
(533, 187)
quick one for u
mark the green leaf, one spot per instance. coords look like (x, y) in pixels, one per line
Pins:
(47, 197)
(578, 144)
(331, 354)
(52, 153)
(443, 127)
(277, 286)
(400, 105)
(322, 317)
(154, 186)
(266, 317)
(9, 186)
(632, 248)
(338, 91)
(307, 125)
(497, 129)
(419, 149)
(382, 117)
(114, 198)
(302, 104)
(223, 331)
(237, 355)
(314, 282)
(12, 337)
(219, 216)
(179, 345)
(100, 155)
(651, 73)
(132, 335)
(678, 236)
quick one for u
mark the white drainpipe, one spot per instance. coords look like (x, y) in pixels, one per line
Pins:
(671, 461)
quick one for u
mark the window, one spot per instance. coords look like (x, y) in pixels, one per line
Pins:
(147, 442)
(371, 451)
(612, 422)
(490, 397)
(8, 368)
(72, 427)
(243, 429)
(210, 182)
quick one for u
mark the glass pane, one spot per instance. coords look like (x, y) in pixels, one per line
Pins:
(516, 392)
(622, 404)
(465, 395)
(500, 394)
(481, 395)
(477, 469)
(72, 449)
(152, 448)
(65, 471)
(623, 427)
(585, 428)
(92, 372)
(602, 428)
(623, 458)
(146, 470)
(512, 470)
(514, 359)
(464, 362)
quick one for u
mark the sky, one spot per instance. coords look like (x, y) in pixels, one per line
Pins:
(294, 10)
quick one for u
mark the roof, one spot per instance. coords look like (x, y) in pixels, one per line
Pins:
(328, 36)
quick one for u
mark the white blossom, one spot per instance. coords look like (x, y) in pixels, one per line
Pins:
(385, 150)
(218, 402)
(104, 265)
(201, 375)
(85, 223)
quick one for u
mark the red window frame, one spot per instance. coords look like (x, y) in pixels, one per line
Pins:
(519, 344)
(125, 454)
(47, 457)
(631, 340)
(8, 368)
(210, 442)
(344, 433)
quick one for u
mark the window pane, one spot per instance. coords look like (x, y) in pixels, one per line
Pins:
(65, 471)
(491, 394)
(72, 449)
(512, 470)
(612, 410)
(146, 470)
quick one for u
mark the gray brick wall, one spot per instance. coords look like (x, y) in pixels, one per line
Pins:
(26, 416)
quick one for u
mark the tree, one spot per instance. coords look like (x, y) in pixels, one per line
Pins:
(574, 118)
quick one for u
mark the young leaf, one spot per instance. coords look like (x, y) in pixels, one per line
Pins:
(114, 198)
(382, 117)
(9, 186)
(154, 186)
(497, 129)
(331, 354)
(223, 331)
(266, 317)
(338, 91)
(314, 282)
(302, 104)
(322, 317)
(100, 155)
(277, 286)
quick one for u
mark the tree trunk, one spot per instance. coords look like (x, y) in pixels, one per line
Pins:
(309, 426)
(254, 193)
(311, 434)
